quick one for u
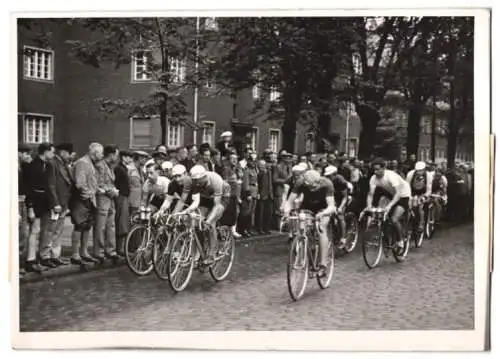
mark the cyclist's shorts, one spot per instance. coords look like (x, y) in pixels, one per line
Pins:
(403, 202)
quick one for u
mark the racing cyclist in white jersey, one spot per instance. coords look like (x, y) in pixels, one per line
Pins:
(155, 188)
(420, 181)
(394, 186)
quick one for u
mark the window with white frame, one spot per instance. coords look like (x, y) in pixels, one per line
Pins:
(274, 94)
(253, 138)
(256, 92)
(175, 135)
(310, 143)
(38, 64)
(140, 132)
(274, 139)
(352, 148)
(211, 24)
(141, 61)
(177, 70)
(37, 128)
(208, 135)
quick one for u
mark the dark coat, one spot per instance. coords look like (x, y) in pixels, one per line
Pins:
(40, 195)
(60, 182)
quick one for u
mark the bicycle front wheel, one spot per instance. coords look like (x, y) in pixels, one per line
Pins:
(161, 251)
(399, 253)
(352, 230)
(297, 267)
(430, 225)
(324, 282)
(181, 261)
(372, 249)
(139, 249)
(224, 256)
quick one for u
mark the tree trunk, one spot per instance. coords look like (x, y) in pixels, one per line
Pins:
(163, 122)
(452, 129)
(413, 129)
(433, 130)
(369, 118)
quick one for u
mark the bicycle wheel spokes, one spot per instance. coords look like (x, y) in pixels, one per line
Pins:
(160, 254)
(297, 268)
(138, 250)
(372, 249)
(352, 232)
(180, 262)
(224, 256)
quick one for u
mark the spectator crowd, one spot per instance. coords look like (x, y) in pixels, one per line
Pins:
(101, 189)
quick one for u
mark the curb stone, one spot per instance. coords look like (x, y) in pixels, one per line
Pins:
(71, 269)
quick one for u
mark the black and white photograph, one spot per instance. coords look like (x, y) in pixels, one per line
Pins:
(250, 172)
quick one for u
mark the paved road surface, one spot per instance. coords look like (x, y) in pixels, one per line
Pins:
(432, 290)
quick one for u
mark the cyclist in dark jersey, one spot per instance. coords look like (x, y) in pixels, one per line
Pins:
(318, 198)
(341, 196)
(179, 192)
(420, 181)
(214, 196)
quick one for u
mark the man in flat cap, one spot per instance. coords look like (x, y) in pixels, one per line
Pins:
(61, 184)
(225, 143)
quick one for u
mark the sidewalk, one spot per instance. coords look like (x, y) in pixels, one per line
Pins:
(76, 269)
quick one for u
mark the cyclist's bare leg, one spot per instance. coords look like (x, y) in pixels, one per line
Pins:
(396, 217)
(212, 218)
(323, 241)
(341, 218)
(421, 217)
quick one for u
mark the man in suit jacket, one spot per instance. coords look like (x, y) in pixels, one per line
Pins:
(264, 208)
(43, 202)
(206, 160)
(61, 184)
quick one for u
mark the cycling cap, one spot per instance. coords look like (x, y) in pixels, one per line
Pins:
(330, 170)
(167, 165)
(301, 167)
(178, 170)
(419, 166)
(197, 172)
(226, 134)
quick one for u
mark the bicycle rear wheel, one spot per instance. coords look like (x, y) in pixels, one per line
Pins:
(324, 282)
(372, 248)
(181, 261)
(161, 251)
(297, 267)
(352, 230)
(224, 256)
(138, 249)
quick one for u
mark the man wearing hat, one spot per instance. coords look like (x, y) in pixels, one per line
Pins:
(122, 184)
(136, 179)
(61, 184)
(225, 143)
(281, 176)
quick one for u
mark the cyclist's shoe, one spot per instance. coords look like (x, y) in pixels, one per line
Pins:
(400, 243)
(322, 271)
(197, 256)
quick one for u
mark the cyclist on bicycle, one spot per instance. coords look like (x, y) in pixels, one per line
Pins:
(392, 184)
(214, 196)
(420, 181)
(180, 193)
(155, 188)
(317, 194)
(341, 195)
(440, 188)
